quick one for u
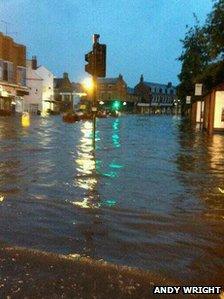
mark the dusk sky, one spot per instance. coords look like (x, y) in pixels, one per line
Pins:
(142, 36)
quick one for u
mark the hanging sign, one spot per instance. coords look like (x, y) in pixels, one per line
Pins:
(198, 89)
(188, 99)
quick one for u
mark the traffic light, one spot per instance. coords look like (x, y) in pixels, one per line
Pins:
(96, 61)
(89, 57)
(100, 52)
(116, 105)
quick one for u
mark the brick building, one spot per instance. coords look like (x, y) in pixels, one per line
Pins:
(12, 74)
(153, 97)
(109, 89)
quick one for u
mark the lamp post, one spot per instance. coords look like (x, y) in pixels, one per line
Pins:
(97, 68)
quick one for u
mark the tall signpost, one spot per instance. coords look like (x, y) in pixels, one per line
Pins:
(198, 92)
(96, 67)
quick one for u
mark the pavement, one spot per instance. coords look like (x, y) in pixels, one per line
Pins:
(34, 274)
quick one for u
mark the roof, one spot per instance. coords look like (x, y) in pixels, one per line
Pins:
(130, 90)
(159, 85)
(63, 84)
(107, 80)
(57, 82)
(77, 87)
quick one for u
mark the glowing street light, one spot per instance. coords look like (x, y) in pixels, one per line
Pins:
(88, 84)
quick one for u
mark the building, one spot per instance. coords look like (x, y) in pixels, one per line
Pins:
(197, 112)
(40, 85)
(155, 97)
(63, 93)
(213, 118)
(110, 90)
(79, 97)
(12, 75)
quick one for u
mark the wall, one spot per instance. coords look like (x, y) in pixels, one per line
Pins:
(12, 52)
(34, 84)
(219, 110)
(200, 112)
(47, 87)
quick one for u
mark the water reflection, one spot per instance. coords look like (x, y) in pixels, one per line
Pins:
(201, 157)
(152, 189)
(116, 132)
(86, 167)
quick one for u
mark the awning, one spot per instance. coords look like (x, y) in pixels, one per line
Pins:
(22, 92)
(50, 101)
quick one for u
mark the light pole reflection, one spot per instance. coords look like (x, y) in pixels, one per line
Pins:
(86, 167)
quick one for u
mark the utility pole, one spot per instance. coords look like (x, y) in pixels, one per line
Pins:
(97, 68)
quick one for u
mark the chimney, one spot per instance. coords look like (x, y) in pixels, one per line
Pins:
(34, 62)
(65, 75)
(120, 77)
(141, 79)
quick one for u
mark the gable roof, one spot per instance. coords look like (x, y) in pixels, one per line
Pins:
(63, 84)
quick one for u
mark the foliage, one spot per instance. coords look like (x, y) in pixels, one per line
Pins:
(203, 53)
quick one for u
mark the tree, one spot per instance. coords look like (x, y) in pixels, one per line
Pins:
(203, 54)
(194, 59)
(215, 31)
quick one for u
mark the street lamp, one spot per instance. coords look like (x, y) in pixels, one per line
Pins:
(88, 84)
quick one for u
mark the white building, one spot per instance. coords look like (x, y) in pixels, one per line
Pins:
(40, 83)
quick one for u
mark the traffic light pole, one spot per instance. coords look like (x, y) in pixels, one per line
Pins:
(94, 78)
(93, 109)
(97, 68)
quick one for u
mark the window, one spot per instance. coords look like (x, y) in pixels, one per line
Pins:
(10, 72)
(160, 90)
(1, 69)
(6, 71)
(21, 75)
(171, 91)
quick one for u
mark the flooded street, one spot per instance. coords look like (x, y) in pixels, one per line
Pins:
(151, 196)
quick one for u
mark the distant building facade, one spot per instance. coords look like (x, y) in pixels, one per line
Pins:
(110, 89)
(12, 74)
(79, 97)
(63, 93)
(41, 89)
(155, 96)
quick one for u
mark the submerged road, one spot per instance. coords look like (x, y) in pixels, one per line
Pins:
(151, 196)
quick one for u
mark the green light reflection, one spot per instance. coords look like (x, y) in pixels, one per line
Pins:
(115, 135)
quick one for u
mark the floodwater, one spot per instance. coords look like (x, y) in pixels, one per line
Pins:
(150, 196)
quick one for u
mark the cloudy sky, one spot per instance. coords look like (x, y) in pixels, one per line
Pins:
(142, 36)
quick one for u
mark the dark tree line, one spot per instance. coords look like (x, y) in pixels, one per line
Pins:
(202, 57)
